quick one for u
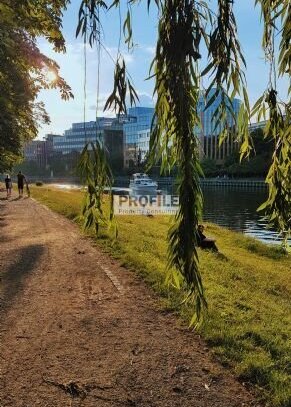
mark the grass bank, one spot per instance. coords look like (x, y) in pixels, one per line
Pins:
(248, 293)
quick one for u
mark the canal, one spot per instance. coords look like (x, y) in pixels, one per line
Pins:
(235, 207)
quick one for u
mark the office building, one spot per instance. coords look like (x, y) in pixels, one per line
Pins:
(126, 138)
(40, 151)
(209, 134)
(107, 130)
(137, 135)
(257, 125)
(75, 138)
(137, 132)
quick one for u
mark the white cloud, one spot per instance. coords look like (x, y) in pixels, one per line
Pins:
(102, 98)
(112, 51)
(145, 99)
(148, 49)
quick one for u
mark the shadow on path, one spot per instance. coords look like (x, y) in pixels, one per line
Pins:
(3, 213)
(13, 278)
(3, 220)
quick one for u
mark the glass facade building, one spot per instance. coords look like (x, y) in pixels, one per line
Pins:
(137, 134)
(209, 134)
(108, 131)
(128, 136)
(143, 143)
(76, 137)
(258, 125)
(40, 151)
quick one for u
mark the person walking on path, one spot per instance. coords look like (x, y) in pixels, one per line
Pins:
(20, 183)
(8, 184)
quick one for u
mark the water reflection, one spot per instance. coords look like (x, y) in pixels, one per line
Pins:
(236, 209)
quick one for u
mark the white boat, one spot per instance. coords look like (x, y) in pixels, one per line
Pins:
(142, 184)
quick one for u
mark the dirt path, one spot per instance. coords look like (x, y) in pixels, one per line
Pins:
(78, 330)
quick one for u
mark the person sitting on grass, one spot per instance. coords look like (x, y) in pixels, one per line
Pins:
(205, 242)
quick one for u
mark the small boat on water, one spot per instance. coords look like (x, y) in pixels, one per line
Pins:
(142, 184)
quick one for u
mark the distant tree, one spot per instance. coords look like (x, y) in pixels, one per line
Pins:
(29, 167)
(209, 167)
(262, 144)
(63, 164)
(258, 162)
(256, 166)
(24, 70)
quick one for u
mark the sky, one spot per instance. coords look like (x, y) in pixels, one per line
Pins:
(64, 113)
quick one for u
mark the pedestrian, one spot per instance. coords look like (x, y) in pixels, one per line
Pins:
(8, 184)
(20, 183)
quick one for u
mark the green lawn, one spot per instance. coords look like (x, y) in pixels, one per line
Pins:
(248, 293)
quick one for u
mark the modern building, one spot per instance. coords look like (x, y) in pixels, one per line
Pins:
(257, 125)
(107, 130)
(137, 135)
(209, 134)
(40, 151)
(32, 150)
(75, 138)
(126, 138)
(137, 132)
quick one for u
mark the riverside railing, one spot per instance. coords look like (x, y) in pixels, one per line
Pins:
(220, 182)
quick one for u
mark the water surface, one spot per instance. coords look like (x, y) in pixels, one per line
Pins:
(236, 209)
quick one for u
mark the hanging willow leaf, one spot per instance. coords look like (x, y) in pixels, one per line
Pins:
(89, 13)
(226, 61)
(121, 88)
(278, 205)
(173, 139)
(183, 25)
(96, 175)
(127, 30)
(116, 99)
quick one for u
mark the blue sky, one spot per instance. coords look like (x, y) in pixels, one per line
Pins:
(64, 113)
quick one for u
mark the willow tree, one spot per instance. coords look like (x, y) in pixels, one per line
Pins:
(185, 28)
(24, 70)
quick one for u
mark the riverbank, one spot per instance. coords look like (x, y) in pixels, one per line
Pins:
(249, 318)
(230, 207)
(77, 329)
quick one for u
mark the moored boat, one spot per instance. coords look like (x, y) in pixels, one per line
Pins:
(142, 184)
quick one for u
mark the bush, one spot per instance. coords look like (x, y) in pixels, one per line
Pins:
(39, 183)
